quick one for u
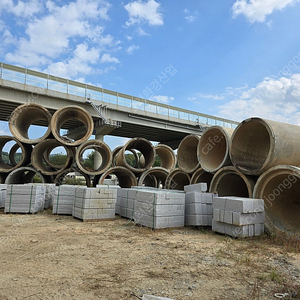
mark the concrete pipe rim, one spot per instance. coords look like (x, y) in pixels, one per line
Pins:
(160, 173)
(58, 180)
(259, 159)
(187, 158)
(276, 187)
(202, 173)
(170, 184)
(146, 149)
(26, 115)
(166, 155)
(67, 113)
(226, 171)
(26, 153)
(117, 150)
(38, 152)
(127, 180)
(99, 146)
(214, 148)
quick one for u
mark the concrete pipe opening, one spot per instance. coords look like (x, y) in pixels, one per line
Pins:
(57, 160)
(177, 179)
(144, 147)
(72, 176)
(213, 148)
(125, 177)
(38, 157)
(77, 114)
(201, 175)
(15, 159)
(160, 174)
(187, 157)
(279, 187)
(27, 175)
(134, 161)
(228, 181)
(166, 156)
(104, 153)
(26, 115)
(3, 177)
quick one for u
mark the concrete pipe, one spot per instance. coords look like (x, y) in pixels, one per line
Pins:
(125, 177)
(258, 144)
(166, 155)
(47, 155)
(60, 178)
(103, 150)
(146, 149)
(201, 175)
(213, 148)
(38, 154)
(177, 179)
(12, 165)
(160, 174)
(68, 113)
(26, 115)
(187, 158)
(228, 181)
(26, 175)
(279, 187)
(117, 150)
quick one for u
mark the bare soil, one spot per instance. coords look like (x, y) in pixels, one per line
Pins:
(46, 256)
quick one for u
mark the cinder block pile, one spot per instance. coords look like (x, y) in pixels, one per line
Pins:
(25, 198)
(64, 199)
(49, 195)
(238, 217)
(156, 208)
(126, 202)
(3, 188)
(198, 205)
(95, 203)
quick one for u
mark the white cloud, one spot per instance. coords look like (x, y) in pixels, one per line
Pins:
(142, 32)
(257, 10)
(275, 99)
(21, 9)
(190, 17)
(140, 12)
(132, 48)
(129, 38)
(107, 58)
(162, 99)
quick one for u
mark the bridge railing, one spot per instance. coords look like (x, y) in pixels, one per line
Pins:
(50, 82)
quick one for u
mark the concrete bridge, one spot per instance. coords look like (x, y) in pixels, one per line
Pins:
(113, 113)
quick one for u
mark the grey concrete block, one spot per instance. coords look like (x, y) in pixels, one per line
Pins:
(198, 187)
(247, 219)
(259, 229)
(219, 202)
(218, 226)
(198, 220)
(228, 217)
(216, 214)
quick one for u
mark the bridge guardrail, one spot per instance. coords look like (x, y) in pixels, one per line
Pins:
(46, 81)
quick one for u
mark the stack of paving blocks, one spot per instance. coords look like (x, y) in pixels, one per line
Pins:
(125, 202)
(157, 208)
(64, 199)
(95, 203)
(3, 188)
(50, 194)
(25, 198)
(238, 217)
(198, 205)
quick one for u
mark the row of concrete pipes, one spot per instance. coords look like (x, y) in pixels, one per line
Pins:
(259, 159)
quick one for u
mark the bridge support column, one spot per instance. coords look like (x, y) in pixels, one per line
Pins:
(97, 156)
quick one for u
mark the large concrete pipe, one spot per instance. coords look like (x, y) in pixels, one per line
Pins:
(258, 144)
(38, 154)
(146, 149)
(104, 152)
(166, 155)
(26, 175)
(187, 158)
(61, 177)
(117, 150)
(48, 161)
(201, 175)
(160, 174)
(68, 113)
(125, 177)
(12, 165)
(177, 179)
(213, 148)
(26, 115)
(228, 181)
(279, 187)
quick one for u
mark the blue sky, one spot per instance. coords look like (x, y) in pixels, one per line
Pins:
(233, 59)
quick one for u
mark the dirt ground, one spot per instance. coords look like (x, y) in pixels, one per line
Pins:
(46, 256)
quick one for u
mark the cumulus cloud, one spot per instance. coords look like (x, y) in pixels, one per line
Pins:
(276, 99)
(21, 9)
(190, 17)
(107, 58)
(257, 10)
(132, 48)
(144, 12)
(162, 99)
